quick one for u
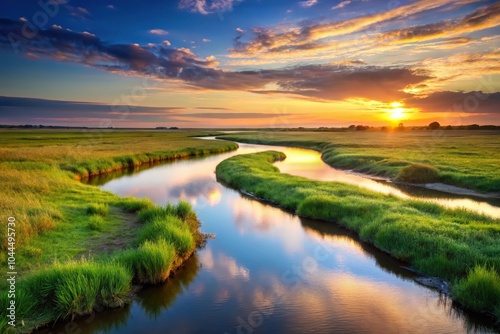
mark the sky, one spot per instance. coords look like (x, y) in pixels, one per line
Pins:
(249, 63)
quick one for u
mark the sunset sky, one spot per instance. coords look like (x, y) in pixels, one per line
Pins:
(249, 63)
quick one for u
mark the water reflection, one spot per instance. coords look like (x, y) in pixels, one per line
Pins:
(154, 300)
(300, 162)
(268, 271)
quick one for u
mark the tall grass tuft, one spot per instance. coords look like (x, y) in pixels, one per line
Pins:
(183, 210)
(151, 262)
(172, 229)
(149, 215)
(100, 209)
(480, 290)
(132, 204)
(95, 223)
(75, 288)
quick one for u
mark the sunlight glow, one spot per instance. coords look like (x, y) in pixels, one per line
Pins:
(397, 112)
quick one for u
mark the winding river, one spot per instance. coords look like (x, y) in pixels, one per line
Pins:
(268, 271)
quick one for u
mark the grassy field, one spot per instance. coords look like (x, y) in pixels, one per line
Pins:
(456, 245)
(467, 159)
(70, 236)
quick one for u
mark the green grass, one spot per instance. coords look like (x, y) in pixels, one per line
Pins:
(60, 219)
(151, 262)
(76, 288)
(69, 289)
(418, 173)
(171, 229)
(100, 209)
(480, 290)
(466, 159)
(166, 238)
(434, 240)
(96, 223)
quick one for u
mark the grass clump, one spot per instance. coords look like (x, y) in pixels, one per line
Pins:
(151, 262)
(480, 290)
(101, 209)
(96, 223)
(183, 210)
(131, 204)
(74, 288)
(418, 173)
(171, 229)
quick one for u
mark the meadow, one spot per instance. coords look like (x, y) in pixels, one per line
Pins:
(78, 246)
(456, 245)
(467, 159)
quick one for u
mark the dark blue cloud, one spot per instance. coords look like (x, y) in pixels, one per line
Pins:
(324, 82)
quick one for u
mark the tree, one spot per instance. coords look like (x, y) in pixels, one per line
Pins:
(352, 127)
(401, 126)
(434, 126)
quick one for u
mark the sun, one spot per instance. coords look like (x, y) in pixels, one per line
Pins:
(397, 112)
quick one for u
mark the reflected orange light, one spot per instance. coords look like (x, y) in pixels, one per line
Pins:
(303, 157)
(214, 197)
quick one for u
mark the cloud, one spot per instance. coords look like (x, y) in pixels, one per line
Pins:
(207, 7)
(330, 83)
(482, 67)
(463, 102)
(166, 42)
(159, 32)
(244, 115)
(34, 110)
(20, 110)
(235, 115)
(79, 12)
(482, 18)
(319, 82)
(110, 7)
(341, 5)
(239, 30)
(85, 48)
(308, 3)
(206, 40)
(310, 38)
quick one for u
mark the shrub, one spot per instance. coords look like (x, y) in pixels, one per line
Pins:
(418, 173)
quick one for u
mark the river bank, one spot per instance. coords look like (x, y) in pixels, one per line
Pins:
(76, 246)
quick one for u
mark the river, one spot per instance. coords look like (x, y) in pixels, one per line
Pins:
(268, 271)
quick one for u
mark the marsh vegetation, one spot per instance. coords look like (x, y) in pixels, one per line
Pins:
(456, 245)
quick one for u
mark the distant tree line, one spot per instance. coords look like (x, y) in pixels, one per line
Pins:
(400, 127)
